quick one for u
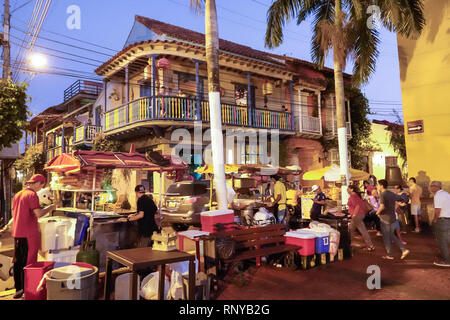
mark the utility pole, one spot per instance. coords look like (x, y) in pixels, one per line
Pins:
(5, 42)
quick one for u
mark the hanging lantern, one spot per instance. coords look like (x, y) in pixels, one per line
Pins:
(163, 63)
(267, 87)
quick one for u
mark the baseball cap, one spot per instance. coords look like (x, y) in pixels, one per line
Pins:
(140, 188)
(37, 178)
(315, 187)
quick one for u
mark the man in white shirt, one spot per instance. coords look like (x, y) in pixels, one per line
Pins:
(441, 221)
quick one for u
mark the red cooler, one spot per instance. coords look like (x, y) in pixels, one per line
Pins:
(306, 240)
(210, 218)
(33, 275)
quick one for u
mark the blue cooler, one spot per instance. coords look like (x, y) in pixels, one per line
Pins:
(322, 241)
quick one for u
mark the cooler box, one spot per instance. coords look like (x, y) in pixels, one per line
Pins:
(33, 275)
(322, 241)
(304, 239)
(57, 233)
(210, 218)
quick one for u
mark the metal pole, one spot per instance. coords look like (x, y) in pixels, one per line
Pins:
(197, 85)
(291, 97)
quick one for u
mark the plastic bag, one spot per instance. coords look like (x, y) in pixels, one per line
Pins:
(150, 286)
(263, 217)
(176, 279)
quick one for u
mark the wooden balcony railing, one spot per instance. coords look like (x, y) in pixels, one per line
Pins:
(185, 109)
(53, 152)
(86, 133)
(311, 124)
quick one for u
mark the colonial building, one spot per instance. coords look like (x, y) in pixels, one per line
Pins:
(155, 92)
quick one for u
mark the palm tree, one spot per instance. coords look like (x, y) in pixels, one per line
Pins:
(212, 61)
(342, 26)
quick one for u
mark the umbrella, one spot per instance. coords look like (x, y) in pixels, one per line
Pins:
(63, 163)
(332, 173)
(209, 168)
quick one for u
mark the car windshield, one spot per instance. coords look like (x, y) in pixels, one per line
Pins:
(192, 189)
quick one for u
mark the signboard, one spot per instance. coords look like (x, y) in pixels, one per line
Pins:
(10, 153)
(415, 127)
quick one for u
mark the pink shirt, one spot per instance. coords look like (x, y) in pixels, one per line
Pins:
(355, 201)
(25, 223)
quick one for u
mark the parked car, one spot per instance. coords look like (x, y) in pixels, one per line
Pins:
(184, 202)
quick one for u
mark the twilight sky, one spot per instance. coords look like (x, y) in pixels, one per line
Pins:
(107, 23)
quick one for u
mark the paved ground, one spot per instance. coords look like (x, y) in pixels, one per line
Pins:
(413, 278)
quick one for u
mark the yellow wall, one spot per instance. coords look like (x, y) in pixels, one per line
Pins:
(425, 82)
(382, 138)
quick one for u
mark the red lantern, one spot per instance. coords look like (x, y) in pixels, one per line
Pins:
(163, 63)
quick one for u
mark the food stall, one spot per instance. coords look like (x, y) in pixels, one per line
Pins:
(80, 174)
(248, 182)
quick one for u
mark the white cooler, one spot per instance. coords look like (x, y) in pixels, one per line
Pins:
(57, 233)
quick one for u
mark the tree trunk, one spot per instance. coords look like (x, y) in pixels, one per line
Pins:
(340, 112)
(212, 60)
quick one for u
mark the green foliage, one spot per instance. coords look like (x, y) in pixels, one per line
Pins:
(103, 143)
(13, 112)
(32, 161)
(397, 139)
(81, 146)
(360, 142)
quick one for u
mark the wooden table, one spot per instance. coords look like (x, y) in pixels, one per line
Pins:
(142, 258)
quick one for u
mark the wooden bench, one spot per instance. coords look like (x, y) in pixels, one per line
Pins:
(250, 243)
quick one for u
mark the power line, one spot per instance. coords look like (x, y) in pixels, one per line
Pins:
(72, 38)
(26, 3)
(60, 51)
(67, 44)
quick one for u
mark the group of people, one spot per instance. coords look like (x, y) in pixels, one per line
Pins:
(389, 212)
(26, 210)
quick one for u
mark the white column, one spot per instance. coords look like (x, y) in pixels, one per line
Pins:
(319, 96)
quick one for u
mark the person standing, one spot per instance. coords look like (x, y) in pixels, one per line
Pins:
(401, 212)
(279, 194)
(357, 210)
(26, 211)
(368, 188)
(441, 221)
(415, 192)
(371, 216)
(319, 203)
(386, 212)
(145, 217)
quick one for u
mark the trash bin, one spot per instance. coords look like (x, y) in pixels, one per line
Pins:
(33, 274)
(77, 281)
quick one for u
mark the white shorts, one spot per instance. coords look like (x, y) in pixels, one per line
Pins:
(415, 210)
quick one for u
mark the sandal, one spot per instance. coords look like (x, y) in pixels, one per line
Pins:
(371, 248)
(387, 257)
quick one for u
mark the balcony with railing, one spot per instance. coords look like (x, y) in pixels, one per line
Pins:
(53, 152)
(310, 125)
(83, 87)
(173, 108)
(86, 133)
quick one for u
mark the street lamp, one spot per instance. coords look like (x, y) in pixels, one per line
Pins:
(38, 61)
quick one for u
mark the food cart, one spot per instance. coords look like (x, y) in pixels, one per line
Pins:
(81, 173)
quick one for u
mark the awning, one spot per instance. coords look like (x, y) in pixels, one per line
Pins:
(332, 173)
(114, 160)
(72, 163)
(65, 162)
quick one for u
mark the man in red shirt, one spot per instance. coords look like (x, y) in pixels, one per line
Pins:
(25, 228)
